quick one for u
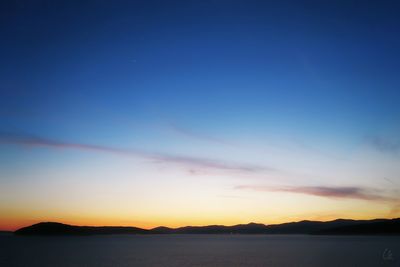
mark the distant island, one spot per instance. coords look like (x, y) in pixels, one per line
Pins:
(335, 227)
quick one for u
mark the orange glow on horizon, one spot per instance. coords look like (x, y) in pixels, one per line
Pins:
(15, 224)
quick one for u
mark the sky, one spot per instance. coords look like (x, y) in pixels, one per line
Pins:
(174, 113)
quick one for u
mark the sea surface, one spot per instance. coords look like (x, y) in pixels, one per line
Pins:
(200, 250)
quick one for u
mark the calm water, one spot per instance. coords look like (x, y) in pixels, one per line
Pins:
(200, 250)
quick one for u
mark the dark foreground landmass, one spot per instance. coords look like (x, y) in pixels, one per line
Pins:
(53, 228)
(336, 227)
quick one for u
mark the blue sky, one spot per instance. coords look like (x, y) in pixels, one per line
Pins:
(308, 89)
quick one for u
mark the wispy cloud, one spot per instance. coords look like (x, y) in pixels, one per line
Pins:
(196, 135)
(186, 161)
(385, 145)
(322, 191)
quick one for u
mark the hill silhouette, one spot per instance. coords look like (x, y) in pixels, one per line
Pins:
(336, 227)
(53, 228)
(377, 227)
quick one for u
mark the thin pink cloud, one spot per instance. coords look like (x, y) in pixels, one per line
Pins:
(187, 161)
(336, 192)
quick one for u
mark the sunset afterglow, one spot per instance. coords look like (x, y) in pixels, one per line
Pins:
(147, 115)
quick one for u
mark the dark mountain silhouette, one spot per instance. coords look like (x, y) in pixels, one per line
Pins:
(53, 228)
(377, 227)
(308, 227)
(162, 230)
(336, 227)
(251, 228)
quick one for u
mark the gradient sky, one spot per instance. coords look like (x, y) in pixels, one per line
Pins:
(172, 113)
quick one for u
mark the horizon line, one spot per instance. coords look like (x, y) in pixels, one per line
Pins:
(206, 225)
